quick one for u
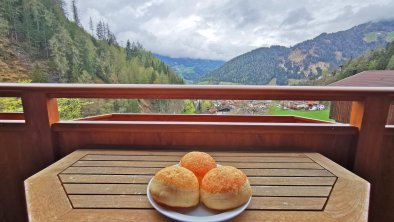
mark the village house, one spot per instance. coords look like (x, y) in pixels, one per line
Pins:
(302, 105)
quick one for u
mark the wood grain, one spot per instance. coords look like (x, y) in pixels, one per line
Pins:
(141, 91)
(12, 116)
(40, 113)
(80, 178)
(121, 215)
(105, 189)
(12, 173)
(217, 158)
(370, 117)
(301, 181)
(45, 197)
(144, 179)
(291, 191)
(111, 150)
(141, 202)
(267, 191)
(384, 201)
(201, 118)
(151, 171)
(91, 195)
(333, 142)
(165, 164)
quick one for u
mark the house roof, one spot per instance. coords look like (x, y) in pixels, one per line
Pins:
(312, 102)
(376, 78)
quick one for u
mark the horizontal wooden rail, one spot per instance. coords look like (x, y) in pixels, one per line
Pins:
(201, 118)
(206, 127)
(197, 91)
(11, 116)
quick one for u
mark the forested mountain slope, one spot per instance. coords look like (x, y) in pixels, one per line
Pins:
(190, 69)
(376, 59)
(39, 43)
(306, 60)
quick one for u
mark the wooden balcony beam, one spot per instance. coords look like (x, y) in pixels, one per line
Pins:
(40, 113)
(132, 91)
(370, 117)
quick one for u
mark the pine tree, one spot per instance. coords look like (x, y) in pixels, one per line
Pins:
(107, 31)
(91, 26)
(75, 13)
(59, 45)
(112, 39)
(100, 31)
(128, 50)
(12, 12)
(104, 31)
(139, 46)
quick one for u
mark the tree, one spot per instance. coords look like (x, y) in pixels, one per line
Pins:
(128, 50)
(104, 31)
(3, 27)
(72, 55)
(11, 104)
(59, 45)
(390, 64)
(70, 108)
(111, 39)
(91, 26)
(100, 31)
(62, 6)
(75, 13)
(12, 12)
(188, 107)
(107, 31)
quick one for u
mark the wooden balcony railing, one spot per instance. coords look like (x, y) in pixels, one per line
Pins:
(364, 146)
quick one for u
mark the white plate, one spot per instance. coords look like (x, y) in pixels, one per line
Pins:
(200, 213)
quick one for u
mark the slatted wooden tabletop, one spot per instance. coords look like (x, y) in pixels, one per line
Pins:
(90, 185)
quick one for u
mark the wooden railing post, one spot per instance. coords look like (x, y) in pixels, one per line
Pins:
(40, 113)
(370, 117)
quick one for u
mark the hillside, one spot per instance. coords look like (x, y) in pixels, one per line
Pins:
(306, 60)
(190, 69)
(39, 43)
(375, 59)
(378, 59)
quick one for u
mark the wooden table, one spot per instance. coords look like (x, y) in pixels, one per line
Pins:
(93, 185)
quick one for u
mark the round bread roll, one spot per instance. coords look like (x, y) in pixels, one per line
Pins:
(225, 188)
(175, 186)
(199, 163)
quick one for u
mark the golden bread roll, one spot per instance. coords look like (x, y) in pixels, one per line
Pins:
(175, 186)
(199, 163)
(225, 188)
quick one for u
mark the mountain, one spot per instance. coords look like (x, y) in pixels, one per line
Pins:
(38, 43)
(375, 59)
(37, 35)
(378, 59)
(190, 69)
(306, 60)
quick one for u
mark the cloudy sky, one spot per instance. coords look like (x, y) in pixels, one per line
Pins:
(223, 29)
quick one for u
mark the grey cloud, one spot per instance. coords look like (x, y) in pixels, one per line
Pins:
(223, 29)
(297, 16)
